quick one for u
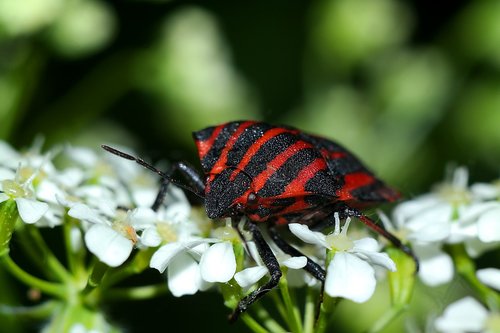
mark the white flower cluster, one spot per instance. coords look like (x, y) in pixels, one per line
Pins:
(111, 198)
(453, 213)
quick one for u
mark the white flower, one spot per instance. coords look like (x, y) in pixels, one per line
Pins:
(30, 209)
(350, 273)
(490, 277)
(112, 238)
(451, 214)
(192, 263)
(485, 191)
(467, 315)
(251, 275)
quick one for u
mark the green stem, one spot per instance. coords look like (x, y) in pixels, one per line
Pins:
(42, 311)
(278, 303)
(50, 288)
(387, 318)
(309, 311)
(137, 293)
(45, 255)
(139, 263)
(8, 219)
(252, 324)
(467, 269)
(74, 256)
(264, 317)
(328, 303)
(326, 308)
(293, 313)
(98, 270)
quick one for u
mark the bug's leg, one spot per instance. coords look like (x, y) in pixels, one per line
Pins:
(192, 176)
(267, 256)
(380, 229)
(311, 267)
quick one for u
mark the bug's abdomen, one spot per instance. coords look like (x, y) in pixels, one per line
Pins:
(277, 159)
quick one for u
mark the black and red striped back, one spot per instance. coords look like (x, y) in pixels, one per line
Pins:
(294, 175)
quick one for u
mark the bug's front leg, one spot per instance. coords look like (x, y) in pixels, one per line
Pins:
(267, 256)
(311, 267)
(194, 179)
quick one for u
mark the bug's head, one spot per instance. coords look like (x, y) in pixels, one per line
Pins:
(224, 192)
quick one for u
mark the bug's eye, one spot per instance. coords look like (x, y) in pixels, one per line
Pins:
(252, 198)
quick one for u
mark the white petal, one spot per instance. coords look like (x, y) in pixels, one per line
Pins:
(476, 248)
(250, 276)
(142, 217)
(490, 277)
(440, 213)
(164, 255)
(218, 263)
(84, 156)
(404, 211)
(49, 191)
(303, 233)
(350, 277)
(183, 275)
(377, 258)
(6, 174)
(436, 267)
(83, 212)
(488, 226)
(485, 191)
(150, 237)
(108, 245)
(465, 315)
(30, 210)
(295, 262)
(366, 244)
(3, 197)
(430, 232)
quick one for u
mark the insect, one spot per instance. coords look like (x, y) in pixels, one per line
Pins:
(275, 175)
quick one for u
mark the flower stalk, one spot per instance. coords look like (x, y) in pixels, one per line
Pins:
(8, 219)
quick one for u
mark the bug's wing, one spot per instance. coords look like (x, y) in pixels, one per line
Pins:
(359, 186)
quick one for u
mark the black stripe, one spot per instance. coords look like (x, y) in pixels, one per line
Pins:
(268, 151)
(323, 183)
(245, 141)
(219, 144)
(276, 184)
(204, 134)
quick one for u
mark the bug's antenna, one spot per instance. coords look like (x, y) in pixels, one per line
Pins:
(151, 168)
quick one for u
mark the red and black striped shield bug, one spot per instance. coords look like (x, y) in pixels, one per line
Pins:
(275, 175)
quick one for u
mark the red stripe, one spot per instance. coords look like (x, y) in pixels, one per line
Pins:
(353, 181)
(254, 148)
(205, 145)
(261, 179)
(298, 184)
(220, 165)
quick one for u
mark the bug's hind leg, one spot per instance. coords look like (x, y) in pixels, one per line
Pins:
(192, 176)
(267, 256)
(311, 267)
(380, 229)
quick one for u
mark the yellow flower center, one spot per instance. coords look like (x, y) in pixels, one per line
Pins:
(167, 233)
(339, 242)
(226, 233)
(14, 189)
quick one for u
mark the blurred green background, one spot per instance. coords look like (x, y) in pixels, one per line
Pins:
(409, 86)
